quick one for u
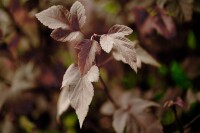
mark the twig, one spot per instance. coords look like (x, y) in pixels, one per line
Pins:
(192, 121)
(177, 119)
(106, 61)
(105, 88)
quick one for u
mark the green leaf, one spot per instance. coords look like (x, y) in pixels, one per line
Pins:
(129, 81)
(26, 124)
(179, 76)
(158, 96)
(163, 70)
(112, 7)
(191, 40)
(168, 117)
(70, 120)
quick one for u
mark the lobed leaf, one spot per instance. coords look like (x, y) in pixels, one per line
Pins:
(66, 24)
(77, 91)
(106, 43)
(123, 48)
(145, 57)
(64, 35)
(77, 15)
(135, 115)
(54, 17)
(161, 22)
(108, 40)
(86, 57)
(144, 119)
(125, 52)
(120, 30)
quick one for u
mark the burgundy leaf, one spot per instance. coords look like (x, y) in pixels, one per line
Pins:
(86, 57)
(77, 15)
(66, 24)
(54, 17)
(64, 35)
(77, 91)
(160, 22)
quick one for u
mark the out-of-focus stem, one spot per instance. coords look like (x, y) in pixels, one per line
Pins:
(180, 127)
(105, 88)
(106, 61)
(192, 121)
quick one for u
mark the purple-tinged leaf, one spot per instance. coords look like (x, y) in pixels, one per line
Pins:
(120, 30)
(77, 91)
(124, 50)
(77, 15)
(135, 115)
(64, 35)
(54, 17)
(160, 22)
(182, 10)
(66, 24)
(122, 47)
(117, 30)
(86, 57)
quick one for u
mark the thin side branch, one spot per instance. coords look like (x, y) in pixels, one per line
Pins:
(105, 88)
(192, 121)
(106, 61)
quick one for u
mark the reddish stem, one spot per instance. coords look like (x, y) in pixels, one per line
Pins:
(106, 61)
(105, 88)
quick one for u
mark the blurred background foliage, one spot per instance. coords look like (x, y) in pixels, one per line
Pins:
(32, 63)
